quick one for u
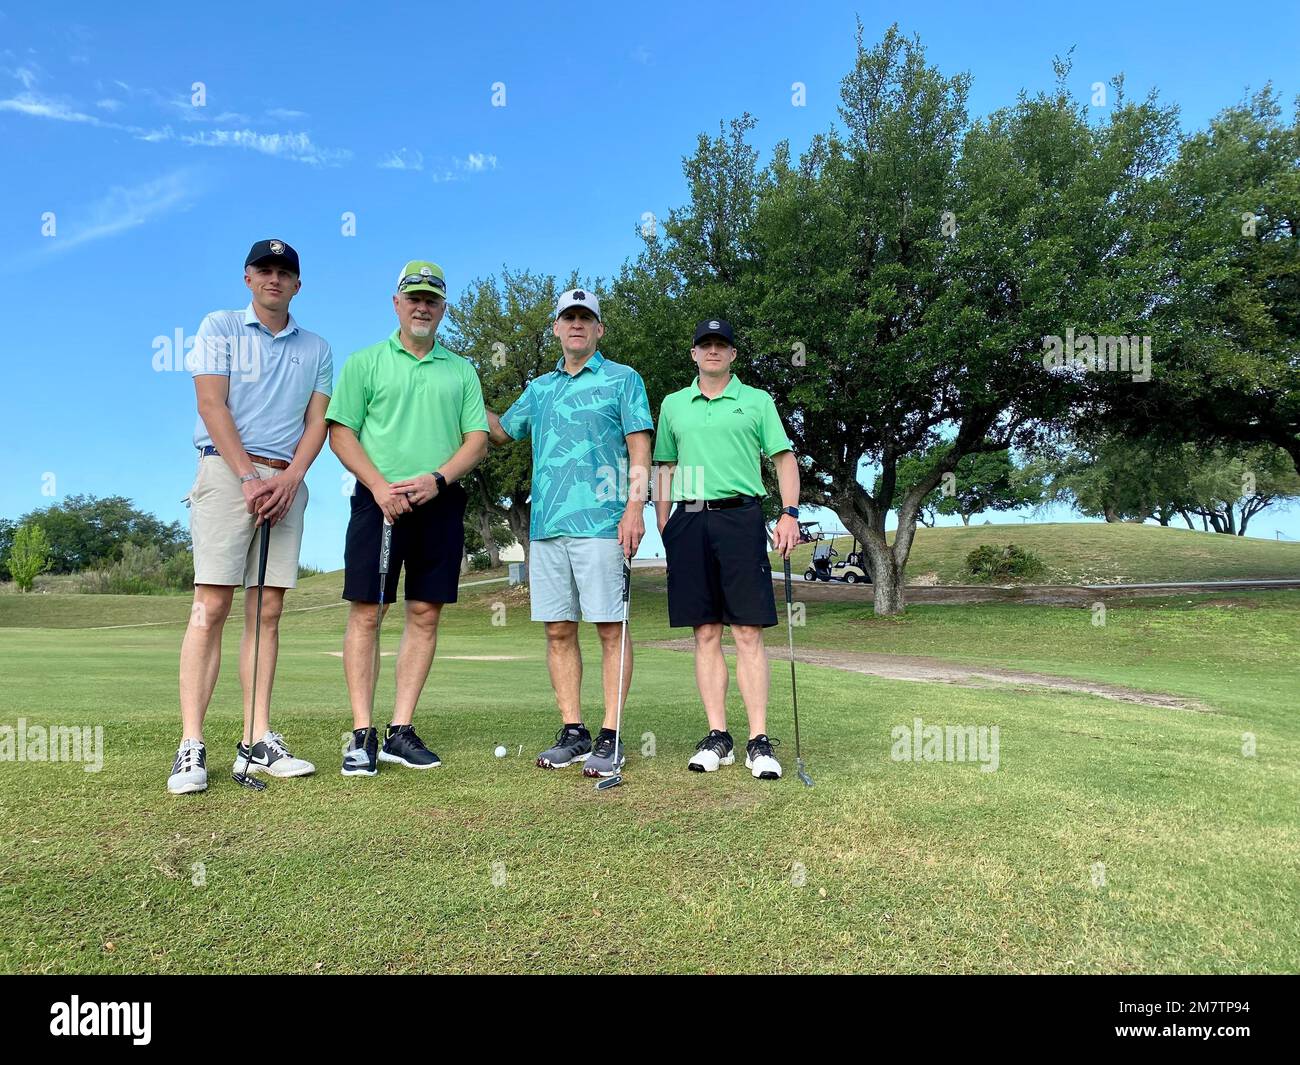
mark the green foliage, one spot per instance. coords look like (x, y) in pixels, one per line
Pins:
(990, 562)
(86, 532)
(29, 555)
(142, 570)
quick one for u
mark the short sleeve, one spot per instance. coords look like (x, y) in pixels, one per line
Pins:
(348, 404)
(518, 420)
(473, 416)
(214, 349)
(634, 406)
(771, 433)
(325, 372)
(665, 441)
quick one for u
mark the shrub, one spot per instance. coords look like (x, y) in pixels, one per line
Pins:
(480, 561)
(991, 562)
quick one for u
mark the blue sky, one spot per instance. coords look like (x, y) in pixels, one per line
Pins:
(387, 113)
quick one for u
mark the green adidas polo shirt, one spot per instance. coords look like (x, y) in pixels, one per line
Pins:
(716, 442)
(411, 415)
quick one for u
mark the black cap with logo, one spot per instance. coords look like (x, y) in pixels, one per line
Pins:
(266, 252)
(714, 327)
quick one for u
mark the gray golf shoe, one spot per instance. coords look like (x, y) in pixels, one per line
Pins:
(603, 762)
(572, 744)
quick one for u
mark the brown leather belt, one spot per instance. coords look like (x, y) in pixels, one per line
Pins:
(262, 460)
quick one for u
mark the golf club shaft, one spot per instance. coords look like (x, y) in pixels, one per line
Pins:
(789, 626)
(263, 550)
(622, 654)
(385, 551)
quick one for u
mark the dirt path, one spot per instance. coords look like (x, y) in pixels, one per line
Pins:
(937, 671)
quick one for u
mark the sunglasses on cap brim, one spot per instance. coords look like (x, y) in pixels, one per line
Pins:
(422, 279)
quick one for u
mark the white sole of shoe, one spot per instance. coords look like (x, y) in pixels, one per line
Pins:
(543, 763)
(384, 756)
(698, 767)
(761, 776)
(187, 789)
(271, 771)
(358, 772)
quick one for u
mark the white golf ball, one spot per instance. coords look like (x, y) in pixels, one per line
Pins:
(500, 752)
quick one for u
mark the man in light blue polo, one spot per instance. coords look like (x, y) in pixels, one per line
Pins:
(589, 421)
(262, 385)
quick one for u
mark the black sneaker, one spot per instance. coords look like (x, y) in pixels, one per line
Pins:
(760, 760)
(359, 755)
(403, 746)
(717, 748)
(572, 744)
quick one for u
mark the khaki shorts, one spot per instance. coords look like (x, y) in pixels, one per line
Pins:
(226, 541)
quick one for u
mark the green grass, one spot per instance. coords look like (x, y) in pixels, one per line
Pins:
(905, 867)
(1097, 553)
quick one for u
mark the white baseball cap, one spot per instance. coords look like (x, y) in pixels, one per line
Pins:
(578, 297)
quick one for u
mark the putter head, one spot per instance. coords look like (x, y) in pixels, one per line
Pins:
(803, 775)
(605, 783)
(247, 780)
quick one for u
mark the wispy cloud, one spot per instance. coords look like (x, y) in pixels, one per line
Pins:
(403, 159)
(284, 114)
(109, 104)
(37, 106)
(296, 146)
(477, 161)
(123, 208)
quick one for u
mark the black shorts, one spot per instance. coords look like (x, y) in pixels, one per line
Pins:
(718, 569)
(428, 543)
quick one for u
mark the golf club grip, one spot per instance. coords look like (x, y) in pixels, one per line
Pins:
(385, 548)
(627, 581)
(788, 598)
(263, 553)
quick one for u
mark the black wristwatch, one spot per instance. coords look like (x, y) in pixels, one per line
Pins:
(792, 511)
(442, 481)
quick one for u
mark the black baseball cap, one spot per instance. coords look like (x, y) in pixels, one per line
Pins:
(714, 327)
(273, 251)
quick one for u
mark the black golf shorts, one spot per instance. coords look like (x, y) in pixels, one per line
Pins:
(428, 543)
(718, 569)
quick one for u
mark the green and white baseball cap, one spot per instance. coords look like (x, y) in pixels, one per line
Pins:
(421, 276)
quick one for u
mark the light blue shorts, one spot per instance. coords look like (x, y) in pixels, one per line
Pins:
(568, 573)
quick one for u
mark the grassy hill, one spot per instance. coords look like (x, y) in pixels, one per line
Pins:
(1098, 553)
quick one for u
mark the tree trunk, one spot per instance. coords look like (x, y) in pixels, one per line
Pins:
(489, 544)
(464, 561)
(517, 516)
(1109, 514)
(965, 518)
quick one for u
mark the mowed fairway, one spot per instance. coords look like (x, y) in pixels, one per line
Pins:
(1112, 837)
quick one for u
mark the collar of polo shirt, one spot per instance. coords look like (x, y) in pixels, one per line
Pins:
(251, 318)
(730, 392)
(596, 361)
(437, 351)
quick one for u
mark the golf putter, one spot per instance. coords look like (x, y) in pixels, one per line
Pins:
(246, 778)
(612, 782)
(794, 694)
(385, 551)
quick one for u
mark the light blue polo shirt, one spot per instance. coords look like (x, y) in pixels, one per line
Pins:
(579, 424)
(272, 377)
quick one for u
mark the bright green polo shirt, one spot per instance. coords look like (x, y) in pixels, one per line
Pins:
(411, 415)
(716, 442)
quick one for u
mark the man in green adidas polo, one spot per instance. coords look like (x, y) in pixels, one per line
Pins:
(407, 419)
(710, 440)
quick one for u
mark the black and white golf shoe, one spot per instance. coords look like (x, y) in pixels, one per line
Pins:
(403, 746)
(361, 754)
(759, 759)
(272, 757)
(717, 748)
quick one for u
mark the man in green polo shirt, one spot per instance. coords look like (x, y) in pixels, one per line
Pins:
(407, 420)
(708, 448)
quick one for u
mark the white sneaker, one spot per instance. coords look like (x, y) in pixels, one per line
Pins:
(759, 759)
(270, 755)
(717, 748)
(190, 771)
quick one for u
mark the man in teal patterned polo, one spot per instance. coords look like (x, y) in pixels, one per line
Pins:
(589, 421)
